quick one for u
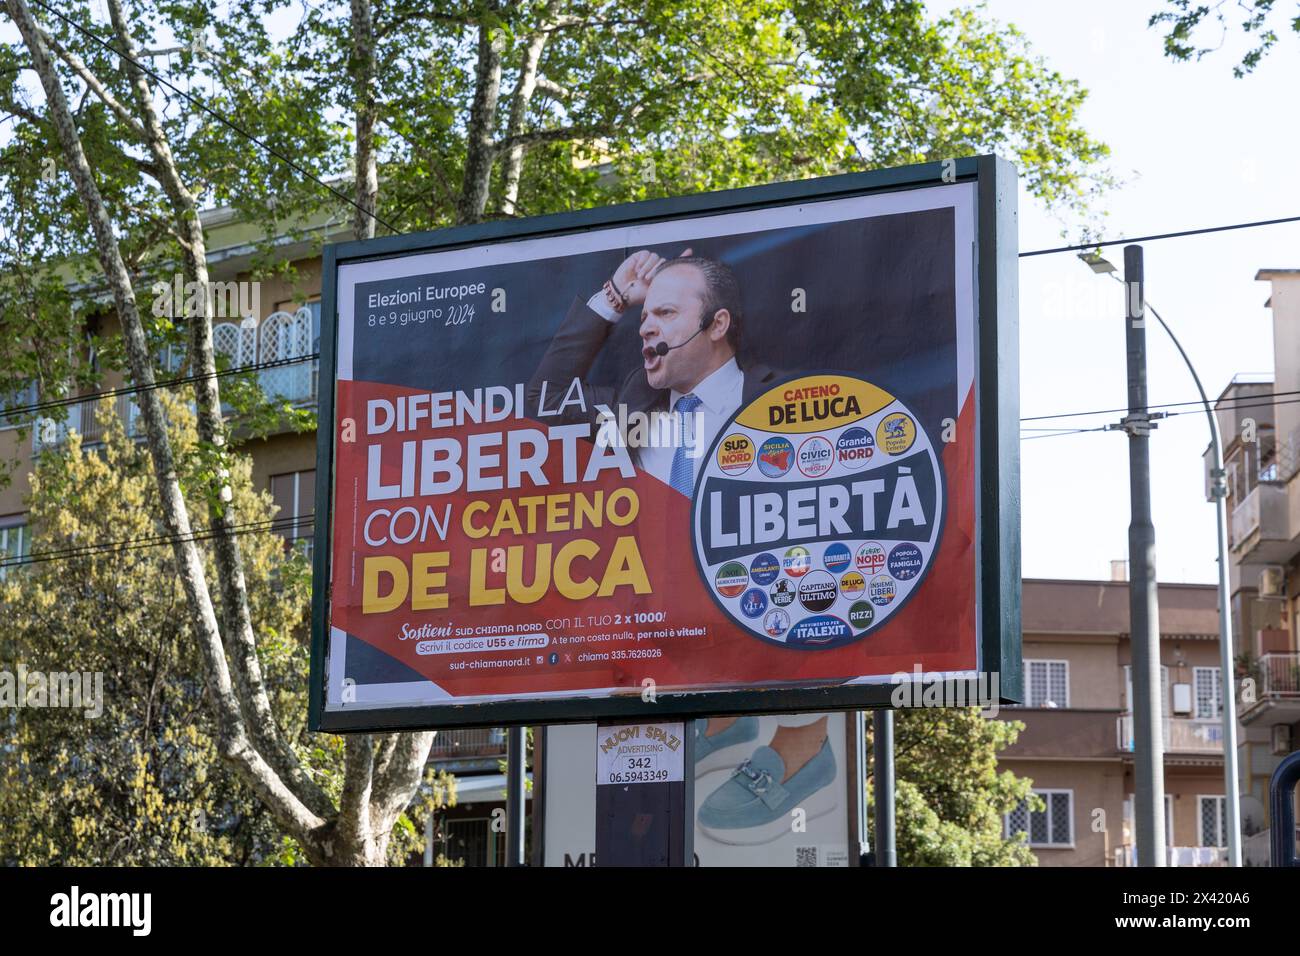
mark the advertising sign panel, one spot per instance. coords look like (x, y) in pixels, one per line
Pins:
(740, 452)
(741, 818)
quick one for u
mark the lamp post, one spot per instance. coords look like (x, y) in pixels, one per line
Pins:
(1219, 492)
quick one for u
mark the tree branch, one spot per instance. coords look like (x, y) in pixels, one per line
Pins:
(94, 85)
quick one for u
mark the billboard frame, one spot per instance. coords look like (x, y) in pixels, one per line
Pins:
(997, 456)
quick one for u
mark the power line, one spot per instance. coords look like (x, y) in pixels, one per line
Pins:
(269, 525)
(1222, 404)
(163, 383)
(1061, 434)
(215, 115)
(1089, 246)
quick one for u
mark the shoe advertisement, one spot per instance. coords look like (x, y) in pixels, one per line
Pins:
(705, 454)
(770, 790)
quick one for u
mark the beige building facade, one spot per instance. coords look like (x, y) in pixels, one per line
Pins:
(1259, 418)
(1077, 745)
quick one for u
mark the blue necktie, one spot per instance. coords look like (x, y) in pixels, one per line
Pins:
(682, 477)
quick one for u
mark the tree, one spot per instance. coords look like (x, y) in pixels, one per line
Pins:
(493, 109)
(460, 111)
(139, 783)
(951, 797)
(1183, 19)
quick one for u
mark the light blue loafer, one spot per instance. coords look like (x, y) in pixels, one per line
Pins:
(754, 807)
(717, 752)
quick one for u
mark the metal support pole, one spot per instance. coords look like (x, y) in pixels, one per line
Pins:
(883, 746)
(860, 783)
(1219, 491)
(1144, 611)
(516, 796)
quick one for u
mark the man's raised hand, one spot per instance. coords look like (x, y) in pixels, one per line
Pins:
(632, 277)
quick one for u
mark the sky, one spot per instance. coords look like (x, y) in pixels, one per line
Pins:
(1196, 147)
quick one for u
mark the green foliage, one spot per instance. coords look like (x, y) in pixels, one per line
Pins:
(1183, 18)
(671, 97)
(142, 784)
(951, 797)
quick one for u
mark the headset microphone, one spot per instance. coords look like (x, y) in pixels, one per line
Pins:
(663, 348)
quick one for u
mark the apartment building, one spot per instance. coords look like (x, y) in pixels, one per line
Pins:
(1259, 418)
(1077, 745)
(287, 326)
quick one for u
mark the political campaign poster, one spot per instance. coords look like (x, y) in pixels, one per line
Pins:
(728, 459)
(770, 790)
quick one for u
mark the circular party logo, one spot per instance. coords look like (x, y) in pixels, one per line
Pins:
(776, 623)
(816, 456)
(854, 448)
(783, 592)
(764, 568)
(754, 603)
(736, 454)
(852, 585)
(817, 592)
(774, 457)
(837, 558)
(797, 562)
(732, 579)
(836, 527)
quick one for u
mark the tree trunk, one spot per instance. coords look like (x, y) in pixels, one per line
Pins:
(232, 740)
(479, 149)
(519, 100)
(363, 83)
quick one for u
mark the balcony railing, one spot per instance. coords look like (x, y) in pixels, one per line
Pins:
(477, 742)
(280, 337)
(1181, 735)
(1126, 855)
(1245, 517)
(1279, 675)
(85, 418)
(1260, 524)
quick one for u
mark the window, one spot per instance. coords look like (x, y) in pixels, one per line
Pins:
(15, 542)
(19, 399)
(1047, 683)
(1213, 820)
(1164, 689)
(1052, 826)
(1207, 684)
(295, 495)
(1130, 826)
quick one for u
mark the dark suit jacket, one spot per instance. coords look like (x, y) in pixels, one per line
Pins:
(573, 352)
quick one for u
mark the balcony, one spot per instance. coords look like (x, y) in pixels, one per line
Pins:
(1260, 531)
(1181, 735)
(1276, 690)
(473, 749)
(1126, 855)
(86, 418)
(280, 337)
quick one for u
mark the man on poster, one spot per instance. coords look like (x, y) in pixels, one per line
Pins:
(690, 326)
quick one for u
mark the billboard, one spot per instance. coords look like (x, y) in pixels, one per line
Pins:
(814, 824)
(743, 452)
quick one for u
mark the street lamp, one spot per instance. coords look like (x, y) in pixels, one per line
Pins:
(1219, 492)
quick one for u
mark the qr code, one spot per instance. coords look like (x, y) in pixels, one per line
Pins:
(805, 856)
